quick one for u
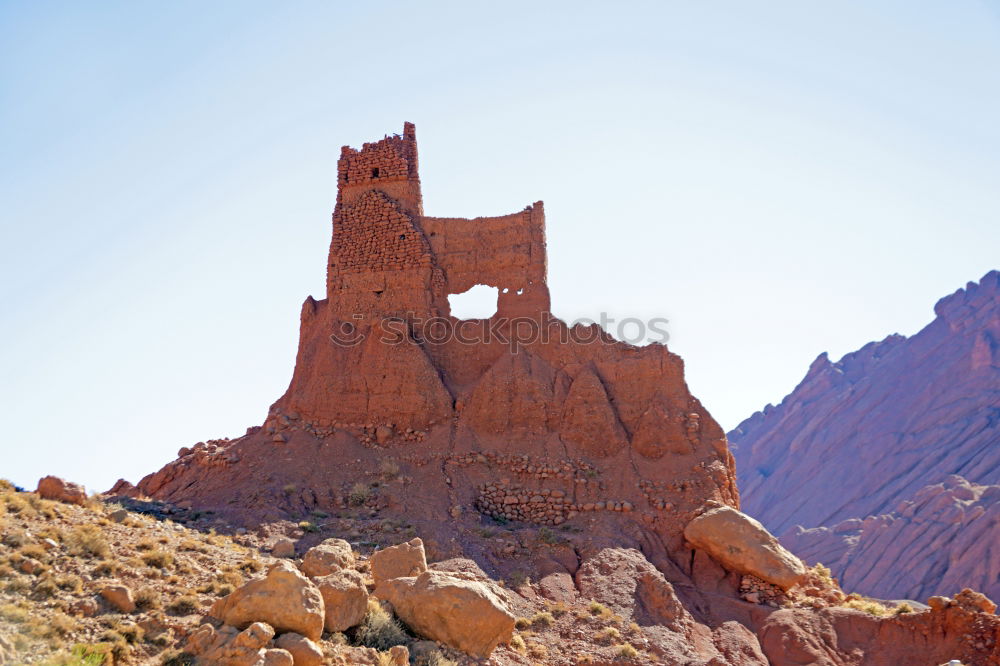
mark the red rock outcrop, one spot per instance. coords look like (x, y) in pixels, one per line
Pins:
(863, 452)
(400, 412)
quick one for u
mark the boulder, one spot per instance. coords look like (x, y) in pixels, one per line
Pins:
(54, 488)
(973, 601)
(284, 598)
(119, 596)
(452, 608)
(84, 607)
(406, 559)
(304, 652)
(283, 547)
(345, 598)
(399, 655)
(326, 558)
(626, 582)
(742, 544)
(229, 646)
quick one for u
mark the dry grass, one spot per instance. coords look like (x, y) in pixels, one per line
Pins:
(147, 598)
(607, 635)
(160, 559)
(251, 565)
(869, 606)
(542, 620)
(434, 658)
(185, 604)
(106, 569)
(537, 650)
(193, 546)
(82, 655)
(389, 469)
(599, 610)
(626, 651)
(87, 541)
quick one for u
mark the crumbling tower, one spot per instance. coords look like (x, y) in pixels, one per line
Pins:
(380, 260)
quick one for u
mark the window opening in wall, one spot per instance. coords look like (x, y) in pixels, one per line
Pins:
(480, 302)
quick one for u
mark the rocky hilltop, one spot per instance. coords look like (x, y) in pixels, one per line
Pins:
(885, 465)
(518, 417)
(570, 479)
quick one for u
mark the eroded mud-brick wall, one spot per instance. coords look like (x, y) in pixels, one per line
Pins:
(388, 258)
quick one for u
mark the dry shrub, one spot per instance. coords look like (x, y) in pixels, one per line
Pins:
(626, 651)
(160, 559)
(542, 620)
(251, 565)
(16, 538)
(35, 551)
(105, 569)
(869, 606)
(184, 605)
(379, 629)
(607, 635)
(174, 657)
(192, 545)
(16, 613)
(82, 655)
(390, 469)
(599, 610)
(87, 541)
(360, 493)
(434, 658)
(147, 598)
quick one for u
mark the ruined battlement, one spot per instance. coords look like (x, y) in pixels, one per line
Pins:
(387, 257)
(389, 165)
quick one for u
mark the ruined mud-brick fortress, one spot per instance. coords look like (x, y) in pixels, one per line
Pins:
(541, 431)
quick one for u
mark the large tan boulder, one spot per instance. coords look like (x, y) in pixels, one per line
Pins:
(119, 596)
(345, 598)
(453, 608)
(326, 558)
(406, 559)
(742, 544)
(228, 646)
(283, 547)
(303, 650)
(284, 599)
(54, 488)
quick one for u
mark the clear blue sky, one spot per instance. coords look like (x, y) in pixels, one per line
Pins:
(777, 178)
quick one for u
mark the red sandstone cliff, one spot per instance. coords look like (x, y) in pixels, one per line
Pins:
(485, 436)
(864, 450)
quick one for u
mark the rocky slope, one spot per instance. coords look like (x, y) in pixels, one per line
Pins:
(576, 467)
(91, 582)
(864, 452)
